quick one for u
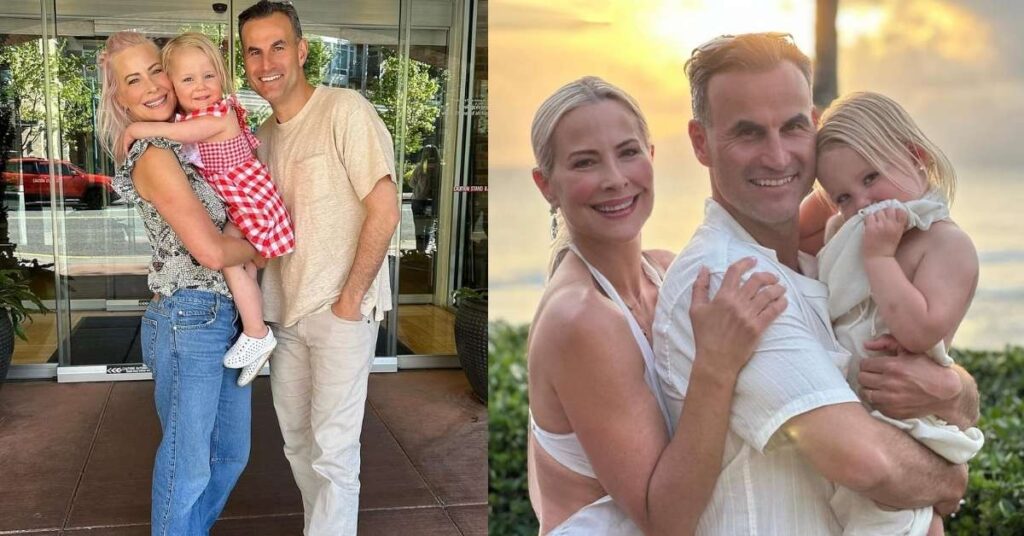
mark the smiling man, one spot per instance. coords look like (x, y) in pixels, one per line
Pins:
(796, 427)
(332, 159)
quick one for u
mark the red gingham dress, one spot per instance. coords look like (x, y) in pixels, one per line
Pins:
(243, 182)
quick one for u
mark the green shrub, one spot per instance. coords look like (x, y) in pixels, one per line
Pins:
(994, 504)
(508, 501)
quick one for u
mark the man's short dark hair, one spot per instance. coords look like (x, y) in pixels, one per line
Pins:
(264, 9)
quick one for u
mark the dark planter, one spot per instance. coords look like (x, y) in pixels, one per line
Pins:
(471, 343)
(6, 344)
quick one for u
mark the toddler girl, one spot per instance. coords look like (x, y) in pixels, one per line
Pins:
(894, 263)
(213, 120)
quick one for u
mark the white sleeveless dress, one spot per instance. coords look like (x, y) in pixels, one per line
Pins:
(602, 517)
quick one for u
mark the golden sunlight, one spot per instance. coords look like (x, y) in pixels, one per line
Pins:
(859, 22)
(685, 25)
(950, 31)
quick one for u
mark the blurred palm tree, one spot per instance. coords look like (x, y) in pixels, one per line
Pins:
(826, 85)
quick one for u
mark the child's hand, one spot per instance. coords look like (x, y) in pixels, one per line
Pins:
(882, 232)
(130, 135)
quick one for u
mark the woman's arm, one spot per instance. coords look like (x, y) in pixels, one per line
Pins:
(159, 179)
(662, 485)
(726, 332)
(922, 312)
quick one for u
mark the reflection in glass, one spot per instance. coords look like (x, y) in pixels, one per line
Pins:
(26, 239)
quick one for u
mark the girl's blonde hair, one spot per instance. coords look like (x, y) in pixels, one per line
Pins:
(882, 132)
(112, 118)
(586, 90)
(203, 44)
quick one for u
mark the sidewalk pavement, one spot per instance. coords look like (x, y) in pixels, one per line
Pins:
(76, 459)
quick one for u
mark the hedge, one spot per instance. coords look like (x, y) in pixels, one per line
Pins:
(994, 504)
(508, 502)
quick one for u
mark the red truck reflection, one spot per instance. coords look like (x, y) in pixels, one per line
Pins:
(33, 174)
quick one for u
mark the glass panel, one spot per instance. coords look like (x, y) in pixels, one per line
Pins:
(434, 70)
(26, 238)
(473, 261)
(106, 251)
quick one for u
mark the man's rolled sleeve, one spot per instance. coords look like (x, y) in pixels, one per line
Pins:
(789, 374)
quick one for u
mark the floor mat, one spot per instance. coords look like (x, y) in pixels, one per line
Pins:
(105, 340)
(102, 340)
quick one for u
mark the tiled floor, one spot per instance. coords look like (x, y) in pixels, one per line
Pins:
(76, 459)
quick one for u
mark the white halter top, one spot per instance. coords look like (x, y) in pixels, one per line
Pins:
(602, 516)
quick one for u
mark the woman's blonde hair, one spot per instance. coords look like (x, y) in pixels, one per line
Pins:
(203, 44)
(586, 90)
(883, 133)
(112, 118)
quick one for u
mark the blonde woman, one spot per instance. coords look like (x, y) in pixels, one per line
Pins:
(600, 458)
(191, 321)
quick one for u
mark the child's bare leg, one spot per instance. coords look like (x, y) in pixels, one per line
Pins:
(248, 299)
(936, 528)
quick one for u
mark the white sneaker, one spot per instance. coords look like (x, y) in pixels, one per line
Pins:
(248, 350)
(252, 370)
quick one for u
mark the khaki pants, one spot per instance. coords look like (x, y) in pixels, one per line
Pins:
(318, 376)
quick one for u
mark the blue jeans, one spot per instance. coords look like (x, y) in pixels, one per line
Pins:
(204, 415)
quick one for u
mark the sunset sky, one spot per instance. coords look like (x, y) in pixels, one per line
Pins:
(956, 66)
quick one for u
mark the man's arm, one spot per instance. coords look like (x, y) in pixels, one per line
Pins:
(906, 386)
(849, 447)
(374, 237)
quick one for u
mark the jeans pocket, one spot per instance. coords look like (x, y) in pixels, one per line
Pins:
(147, 334)
(194, 316)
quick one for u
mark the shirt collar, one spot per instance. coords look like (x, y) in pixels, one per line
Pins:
(717, 217)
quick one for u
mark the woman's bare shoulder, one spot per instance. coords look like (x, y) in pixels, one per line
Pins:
(155, 169)
(153, 156)
(576, 323)
(570, 298)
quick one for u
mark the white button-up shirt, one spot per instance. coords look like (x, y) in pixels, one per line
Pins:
(765, 486)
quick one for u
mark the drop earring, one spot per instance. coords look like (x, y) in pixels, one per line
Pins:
(554, 222)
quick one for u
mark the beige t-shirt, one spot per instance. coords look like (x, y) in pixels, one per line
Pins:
(324, 161)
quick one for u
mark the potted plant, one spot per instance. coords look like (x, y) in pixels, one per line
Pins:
(14, 292)
(14, 273)
(471, 337)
